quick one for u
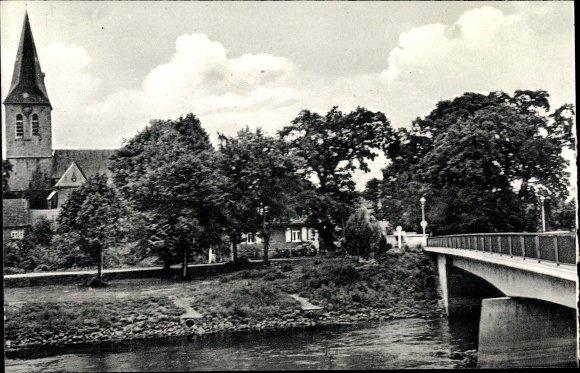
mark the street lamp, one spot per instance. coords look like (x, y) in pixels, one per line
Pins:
(423, 222)
(542, 199)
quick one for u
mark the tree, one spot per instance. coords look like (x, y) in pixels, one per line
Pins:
(335, 145)
(88, 222)
(560, 215)
(265, 183)
(480, 161)
(362, 235)
(6, 170)
(184, 209)
(169, 175)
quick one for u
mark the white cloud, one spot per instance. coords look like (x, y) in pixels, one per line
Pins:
(200, 78)
(485, 50)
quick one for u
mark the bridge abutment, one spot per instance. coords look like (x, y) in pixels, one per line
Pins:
(518, 333)
(461, 291)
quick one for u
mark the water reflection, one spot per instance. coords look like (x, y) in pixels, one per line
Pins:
(396, 344)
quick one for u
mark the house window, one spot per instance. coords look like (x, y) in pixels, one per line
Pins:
(17, 234)
(19, 125)
(296, 235)
(35, 126)
(250, 238)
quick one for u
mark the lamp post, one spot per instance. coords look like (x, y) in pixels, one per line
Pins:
(423, 222)
(542, 199)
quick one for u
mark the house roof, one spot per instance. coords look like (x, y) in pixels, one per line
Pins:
(15, 213)
(89, 161)
(27, 85)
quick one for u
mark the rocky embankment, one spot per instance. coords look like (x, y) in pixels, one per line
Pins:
(139, 327)
(161, 325)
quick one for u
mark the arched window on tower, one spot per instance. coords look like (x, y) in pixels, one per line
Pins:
(19, 126)
(35, 126)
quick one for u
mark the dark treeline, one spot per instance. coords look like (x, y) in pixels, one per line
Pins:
(481, 162)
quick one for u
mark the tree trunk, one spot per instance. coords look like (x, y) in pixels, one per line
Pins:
(325, 230)
(100, 269)
(235, 248)
(184, 264)
(266, 247)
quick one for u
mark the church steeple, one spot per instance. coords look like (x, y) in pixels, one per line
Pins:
(28, 79)
(28, 112)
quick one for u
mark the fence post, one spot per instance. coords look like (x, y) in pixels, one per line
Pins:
(490, 246)
(499, 244)
(510, 246)
(537, 244)
(523, 244)
(556, 250)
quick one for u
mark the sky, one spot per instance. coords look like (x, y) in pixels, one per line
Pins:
(112, 66)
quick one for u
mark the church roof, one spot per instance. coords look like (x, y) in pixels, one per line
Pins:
(73, 177)
(89, 161)
(15, 213)
(27, 85)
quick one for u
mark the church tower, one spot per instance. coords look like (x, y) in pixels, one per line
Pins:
(28, 120)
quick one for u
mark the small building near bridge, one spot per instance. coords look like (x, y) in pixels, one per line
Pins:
(408, 238)
(287, 239)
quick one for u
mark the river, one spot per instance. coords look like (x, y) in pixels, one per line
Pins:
(394, 344)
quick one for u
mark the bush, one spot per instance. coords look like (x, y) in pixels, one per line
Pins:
(286, 267)
(362, 234)
(280, 253)
(345, 276)
(13, 271)
(273, 275)
(41, 268)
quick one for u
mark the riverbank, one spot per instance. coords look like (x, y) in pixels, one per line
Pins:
(402, 286)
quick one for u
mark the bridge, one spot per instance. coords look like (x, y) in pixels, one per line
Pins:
(523, 288)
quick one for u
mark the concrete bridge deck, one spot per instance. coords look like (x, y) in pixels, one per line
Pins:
(562, 271)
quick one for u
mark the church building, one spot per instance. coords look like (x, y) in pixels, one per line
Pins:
(42, 177)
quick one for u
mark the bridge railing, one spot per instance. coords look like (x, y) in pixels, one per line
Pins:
(552, 247)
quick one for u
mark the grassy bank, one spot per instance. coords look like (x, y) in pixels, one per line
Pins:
(403, 285)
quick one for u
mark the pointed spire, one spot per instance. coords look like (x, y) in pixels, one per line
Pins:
(28, 79)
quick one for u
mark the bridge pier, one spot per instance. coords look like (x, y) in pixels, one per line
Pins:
(520, 333)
